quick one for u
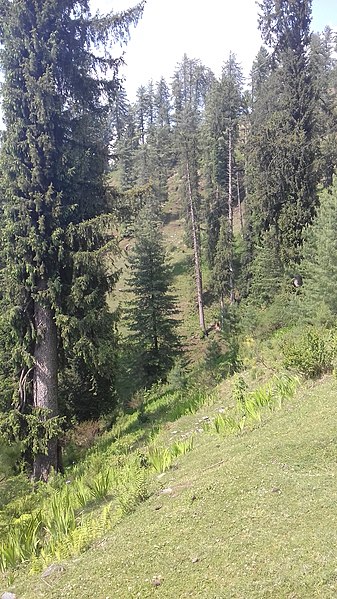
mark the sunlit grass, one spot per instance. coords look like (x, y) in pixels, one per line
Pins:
(248, 515)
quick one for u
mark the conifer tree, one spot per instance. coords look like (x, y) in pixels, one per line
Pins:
(282, 175)
(221, 131)
(152, 311)
(190, 86)
(56, 95)
(324, 68)
(319, 265)
(118, 114)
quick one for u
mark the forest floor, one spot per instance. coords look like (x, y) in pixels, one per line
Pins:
(245, 516)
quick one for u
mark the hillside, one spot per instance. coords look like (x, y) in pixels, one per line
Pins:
(250, 515)
(168, 322)
(194, 492)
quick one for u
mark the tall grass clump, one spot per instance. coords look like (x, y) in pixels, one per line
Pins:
(161, 458)
(101, 485)
(251, 405)
(23, 541)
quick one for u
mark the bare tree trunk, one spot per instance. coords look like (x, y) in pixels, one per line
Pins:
(239, 204)
(45, 389)
(196, 252)
(245, 159)
(230, 217)
(222, 311)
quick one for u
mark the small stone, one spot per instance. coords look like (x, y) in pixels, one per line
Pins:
(8, 595)
(156, 581)
(52, 569)
(195, 560)
(167, 491)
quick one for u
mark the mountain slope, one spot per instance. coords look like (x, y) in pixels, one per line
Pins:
(246, 516)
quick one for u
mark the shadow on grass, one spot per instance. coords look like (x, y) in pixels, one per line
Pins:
(183, 267)
(173, 405)
(171, 216)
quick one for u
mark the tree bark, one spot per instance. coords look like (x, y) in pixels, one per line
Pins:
(230, 217)
(45, 387)
(239, 204)
(196, 252)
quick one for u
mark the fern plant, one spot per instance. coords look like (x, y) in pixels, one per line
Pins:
(160, 458)
(181, 447)
(101, 485)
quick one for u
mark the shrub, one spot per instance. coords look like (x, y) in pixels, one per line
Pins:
(311, 353)
(177, 378)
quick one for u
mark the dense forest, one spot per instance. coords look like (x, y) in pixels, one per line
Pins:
(82, 166)
(90, 315)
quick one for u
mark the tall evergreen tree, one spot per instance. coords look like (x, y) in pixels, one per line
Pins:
(56, 96)
(190, 86)
(324, 68)
(221, 133)
(152, 310)
(319, 265)
(282, 177)
(118, 113)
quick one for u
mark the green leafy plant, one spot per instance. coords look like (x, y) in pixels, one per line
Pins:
(284, 387)
(101, 485)
(160, 458)
(60, 519)
(23, 541)
(225, 425)
(311, 353)
(239, 390)
(182, 447)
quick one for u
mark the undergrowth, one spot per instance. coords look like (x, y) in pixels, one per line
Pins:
(251, 405)
(63, 518)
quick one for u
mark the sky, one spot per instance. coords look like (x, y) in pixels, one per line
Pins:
(203, 29)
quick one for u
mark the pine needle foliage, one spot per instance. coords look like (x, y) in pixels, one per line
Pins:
(58, 85)
(319, 266)
(152, 309)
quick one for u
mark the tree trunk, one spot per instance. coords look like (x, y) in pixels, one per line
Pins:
(239, 204)
(222, 311)
(230, 217)
(196, 252)
(45, 389)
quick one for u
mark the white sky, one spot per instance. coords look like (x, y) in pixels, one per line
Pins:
(204, 29)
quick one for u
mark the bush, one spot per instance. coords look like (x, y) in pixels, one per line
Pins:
(311, 353)
(177, 377)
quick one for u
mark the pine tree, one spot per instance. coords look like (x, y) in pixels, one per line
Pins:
(56, 95)
(190, 86)
(221, 133)
(319, 265)
(152, 311)
(118, 113)
(324, 67)
(282, 177)
(125, 152)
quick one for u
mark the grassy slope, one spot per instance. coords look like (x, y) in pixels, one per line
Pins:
(247, 517)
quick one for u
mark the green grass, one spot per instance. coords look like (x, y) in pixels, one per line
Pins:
(251, 515)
